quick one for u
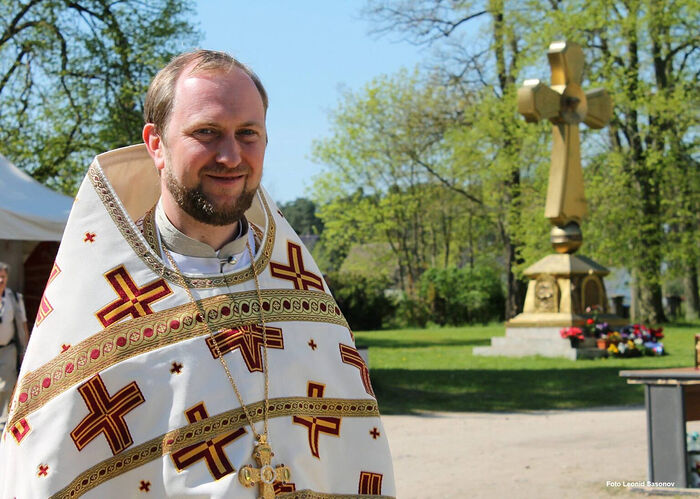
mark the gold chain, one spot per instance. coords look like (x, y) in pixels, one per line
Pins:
(260, 438)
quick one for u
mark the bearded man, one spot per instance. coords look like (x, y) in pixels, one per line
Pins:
(186, 343)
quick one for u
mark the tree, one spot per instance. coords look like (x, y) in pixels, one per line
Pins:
(487, 67)
(391, 175)
(646, 53)
(301, 215)
(73, 74)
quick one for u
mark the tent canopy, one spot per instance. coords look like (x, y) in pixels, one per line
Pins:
(30, 211)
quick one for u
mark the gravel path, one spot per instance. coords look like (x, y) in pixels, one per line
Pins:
(535, 454)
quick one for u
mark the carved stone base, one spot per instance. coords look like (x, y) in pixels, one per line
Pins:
(561, 288)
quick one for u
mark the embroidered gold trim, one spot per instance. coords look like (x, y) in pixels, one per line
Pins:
(151, 258)
(310, 494)
(123, 340)
(148, 228)
(210, 427)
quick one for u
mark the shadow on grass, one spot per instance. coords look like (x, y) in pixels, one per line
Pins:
(390, 343)
(403, 391)
(683, 325)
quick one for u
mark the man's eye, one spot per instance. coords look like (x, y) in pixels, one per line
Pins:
(248, 133)
(205, 132)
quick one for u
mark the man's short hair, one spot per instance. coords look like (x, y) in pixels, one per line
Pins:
(161, 92)
(5, 267)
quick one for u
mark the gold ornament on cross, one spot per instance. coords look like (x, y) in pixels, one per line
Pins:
(265, 476)
(565, 105)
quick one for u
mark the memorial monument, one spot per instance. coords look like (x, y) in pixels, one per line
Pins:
(563, 286)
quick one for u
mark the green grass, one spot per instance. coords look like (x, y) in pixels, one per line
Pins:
(415, 370)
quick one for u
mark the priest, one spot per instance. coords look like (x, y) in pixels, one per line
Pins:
(186, 344)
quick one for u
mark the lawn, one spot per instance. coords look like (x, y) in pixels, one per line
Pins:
(414, 370)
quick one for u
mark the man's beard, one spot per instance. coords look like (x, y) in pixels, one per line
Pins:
(195, 203)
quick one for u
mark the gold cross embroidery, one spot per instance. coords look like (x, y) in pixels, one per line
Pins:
(133, 300)
(106, 414)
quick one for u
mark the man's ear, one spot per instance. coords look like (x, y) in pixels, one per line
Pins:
(154, 144)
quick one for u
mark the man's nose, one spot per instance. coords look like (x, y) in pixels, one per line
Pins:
(229, 153)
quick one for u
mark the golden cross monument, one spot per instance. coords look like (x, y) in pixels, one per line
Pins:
(565, 105)
(564, 288)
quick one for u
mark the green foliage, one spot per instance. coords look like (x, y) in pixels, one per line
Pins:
(362, 299)
(646, 54)
(393, 179)
(73, 76)
(301, 215)
(642, 180)
(462, 296)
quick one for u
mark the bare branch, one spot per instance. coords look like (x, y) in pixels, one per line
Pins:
(12, 28)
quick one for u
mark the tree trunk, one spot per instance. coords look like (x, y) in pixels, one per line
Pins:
(692, 298)
(515, 291)
(634, 301)
(651, 310)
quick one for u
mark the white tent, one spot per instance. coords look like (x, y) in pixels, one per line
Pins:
(29, 213)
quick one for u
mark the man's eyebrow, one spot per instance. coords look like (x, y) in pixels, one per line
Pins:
(252, 123)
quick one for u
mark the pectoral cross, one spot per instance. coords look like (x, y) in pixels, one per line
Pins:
(565, 105)
(265, 476)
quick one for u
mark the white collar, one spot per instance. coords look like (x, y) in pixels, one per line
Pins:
(180, 243)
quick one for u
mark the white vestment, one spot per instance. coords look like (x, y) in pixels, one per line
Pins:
(122, 394)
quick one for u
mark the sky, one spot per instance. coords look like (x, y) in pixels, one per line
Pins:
(304, 51)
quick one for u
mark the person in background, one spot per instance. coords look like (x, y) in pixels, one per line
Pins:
(14, 335)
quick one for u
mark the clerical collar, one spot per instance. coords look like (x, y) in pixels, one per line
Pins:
(180, 243)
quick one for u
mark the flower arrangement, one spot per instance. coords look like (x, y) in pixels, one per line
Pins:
(641, 340)
(574, 334)
(633, 340)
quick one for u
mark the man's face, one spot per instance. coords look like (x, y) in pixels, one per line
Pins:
(212, 150)
(3, 280)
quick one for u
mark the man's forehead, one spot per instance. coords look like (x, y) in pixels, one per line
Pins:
(218, 75)
(195, 83)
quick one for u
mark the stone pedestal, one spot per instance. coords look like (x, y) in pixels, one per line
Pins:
(543, 341)
(561, 288)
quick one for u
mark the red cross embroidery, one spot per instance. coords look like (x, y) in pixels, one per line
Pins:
(45, 309)
(212, 450)
(370, 483)
(177, 367)
(375, 433)
(145, 486)
(106, 414)
(89, 237)
(132, 300)
(312, 344)
(43, 470)
(249, 340)
(317, 425)
(64, 348)
(349, 355)
(295, 271)
(20, 430)
(55, 270)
